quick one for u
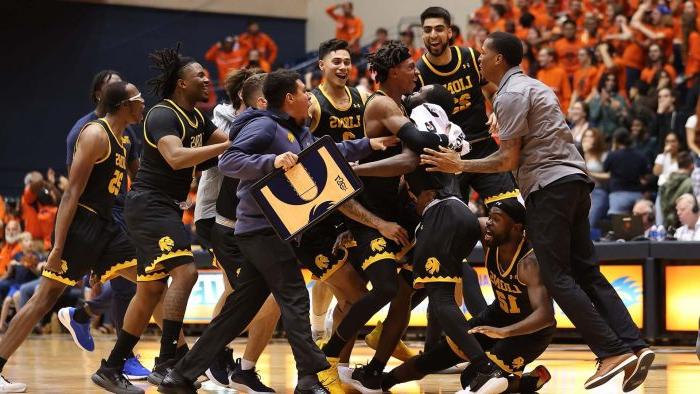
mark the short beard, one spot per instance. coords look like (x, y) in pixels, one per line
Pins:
(442, 50)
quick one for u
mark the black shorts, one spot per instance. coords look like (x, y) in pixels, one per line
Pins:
(93, 244)
(445, 237)
(227, 255)
(161, 239)
(314, 250)
(491, 187)
(511, 354)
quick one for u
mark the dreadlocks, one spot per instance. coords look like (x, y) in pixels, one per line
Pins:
(390, 55)
(169, 63)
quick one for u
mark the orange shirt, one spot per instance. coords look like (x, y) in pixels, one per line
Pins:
(648, 73)
(226, 61)
(416, 53)
(667, 42)
(556, 78)
(692, 63)
(633, 54)
(459, 41)
(262, 42)
(584, 81)
(618, 69)
(6, 253)
(567, 53)
(483, 15)
(347, 29)
(30, 214)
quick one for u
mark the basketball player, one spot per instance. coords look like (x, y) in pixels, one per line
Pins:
(215, 216)
(85, 237)
(178, 138)
(515, 329)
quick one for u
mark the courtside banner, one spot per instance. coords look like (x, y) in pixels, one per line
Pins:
(300, 197)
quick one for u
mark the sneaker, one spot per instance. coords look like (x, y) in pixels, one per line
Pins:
(635, 375)
(367, 381)
(494, 382)
(318, 335)
(401, 352)
(175, 383)
(219, 373)
(134, 370)
(329, 378)
(345, 374)
(8, 387)
(79, 332)
(608, 367)
(160, 369)
(112, 380)
(315, 389)
(454, 370)
(248, 380)
(543, 376)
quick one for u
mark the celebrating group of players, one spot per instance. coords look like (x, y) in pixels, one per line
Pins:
(407, 234)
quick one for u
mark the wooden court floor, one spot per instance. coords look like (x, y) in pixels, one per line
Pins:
(52, 364)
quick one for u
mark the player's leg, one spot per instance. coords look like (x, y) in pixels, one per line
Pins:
(321, 297)
(437, 359)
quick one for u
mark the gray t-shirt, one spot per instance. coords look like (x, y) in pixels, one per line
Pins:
(528, 109)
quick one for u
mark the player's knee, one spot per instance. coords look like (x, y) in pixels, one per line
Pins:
(185, 275)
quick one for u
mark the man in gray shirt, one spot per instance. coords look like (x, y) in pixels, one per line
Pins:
(537, 146)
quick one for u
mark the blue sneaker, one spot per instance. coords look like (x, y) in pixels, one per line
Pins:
(79, 332)
(133, 370)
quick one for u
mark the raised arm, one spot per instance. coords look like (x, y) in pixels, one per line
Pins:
(397, 165)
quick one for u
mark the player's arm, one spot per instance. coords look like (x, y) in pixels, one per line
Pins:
(397, 165)
(179, 157)
(91, 147)
(482, 227)
(355, 211)
(314, 113)
(489, 90)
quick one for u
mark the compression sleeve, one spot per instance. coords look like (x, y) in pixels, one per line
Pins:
(417, 140)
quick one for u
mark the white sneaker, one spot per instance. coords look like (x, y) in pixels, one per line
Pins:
(345, 374)
(8, 387)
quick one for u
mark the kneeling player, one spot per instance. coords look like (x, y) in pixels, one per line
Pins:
(514, 330)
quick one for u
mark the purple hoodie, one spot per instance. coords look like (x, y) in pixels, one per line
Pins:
(258, 137)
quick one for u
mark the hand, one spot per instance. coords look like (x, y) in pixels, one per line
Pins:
(286, 160)
(51, 176)
(615, 104)
(381, 143)
(491, 332)
(95, 285)
(53, 262)
(493, 125)
(456, 141)
(344, 240)
(394, 232)
(446, 160)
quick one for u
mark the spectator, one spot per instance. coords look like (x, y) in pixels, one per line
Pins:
(39, 207)
(578, 120)
(693, 140)
(667, 162)
(584, 76)
(690, 38)
(591, 35)
(24, 268)
(407, 38)
(567, 48)
(668, 119)
(255, 40)
(677, 184)
(642, 141)
(594, 153)
(11, 246)
(348, 27)
(380, 37)
(554, 76)
(607, 107)
(645, 209)
(256, 61)
(608, 62)
(228, 55)
(648, 27)
(656, 63)
(626, 167)
(687, 211)
(456, 39)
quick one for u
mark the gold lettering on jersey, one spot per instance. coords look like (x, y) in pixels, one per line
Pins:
(463, 100)
(115, 184)
(346, 122)
(120, 161)
(504, 286)
(196, 141)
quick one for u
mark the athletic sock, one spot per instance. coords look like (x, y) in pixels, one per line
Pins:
(247, 364)
(318, 322)
(334, 346)
(168, 341)
(81, 316)
(376, 365)
(122, 348)
(181, 351)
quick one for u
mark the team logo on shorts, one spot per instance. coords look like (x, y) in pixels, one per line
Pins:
(64, 266)
(321, 261)
(378, 244)
(518, 363)
(166, 244)
(432, 265)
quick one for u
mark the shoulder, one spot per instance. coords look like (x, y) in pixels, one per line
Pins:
(528, 269)
(510, 97)
(93, 133)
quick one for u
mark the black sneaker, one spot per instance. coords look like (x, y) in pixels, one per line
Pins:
(112, 380)
(160, 369)
(318, 388)
(366, 381)
(493, 382)
(219, 372)
(248, 380)
(175, 383)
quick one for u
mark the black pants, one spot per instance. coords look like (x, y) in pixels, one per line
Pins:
(557, 226)
(269, 266)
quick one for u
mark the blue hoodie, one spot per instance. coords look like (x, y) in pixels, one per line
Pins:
(258, 137)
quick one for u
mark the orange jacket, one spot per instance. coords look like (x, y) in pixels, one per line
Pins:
(226, 61)
(262, 42)
(692, 63)
(648, 73)
(584, 81)
(556, 78)
(567, 53)
(347, 29)
(7, 251)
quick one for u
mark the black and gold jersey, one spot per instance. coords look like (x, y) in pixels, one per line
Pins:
(340, 123)
(193, 129)
(380, 195)
(462, 77)
(107, 175)
(511, 294)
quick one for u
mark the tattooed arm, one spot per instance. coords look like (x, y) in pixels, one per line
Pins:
(355, 211)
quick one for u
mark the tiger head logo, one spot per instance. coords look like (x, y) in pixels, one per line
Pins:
(166, 244)
(64, 266)
(378, 244)
(432, 265)
(290, 137)
(518, 363)
(322, 261)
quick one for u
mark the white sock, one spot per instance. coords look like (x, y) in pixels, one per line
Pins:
(318, 322)
(247, 364)
(344, 365)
